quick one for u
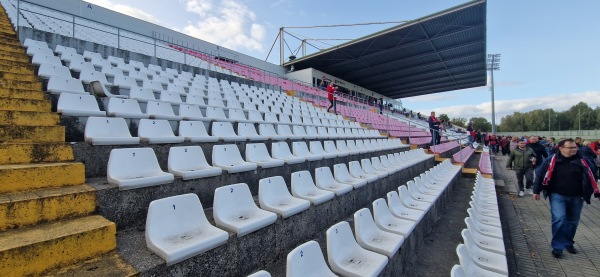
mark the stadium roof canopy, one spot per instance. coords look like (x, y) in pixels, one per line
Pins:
(441, 52)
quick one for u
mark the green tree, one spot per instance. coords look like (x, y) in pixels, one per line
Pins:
(480, 123)
(444, 117)
(460, 121)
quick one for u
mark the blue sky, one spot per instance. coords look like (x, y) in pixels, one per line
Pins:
(549, 47)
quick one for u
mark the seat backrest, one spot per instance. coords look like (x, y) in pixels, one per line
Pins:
(175, 88)
(299, 130)
(216, 102)
(155, 128)
(316, 148)
(364, 225)
(46, 70)
(246, 129)
(367, 166)
(284, 130)
(222, 129)
(272, 190)
(195, 99)
(216, 113)
(173, 216)
(120, 105)
(355, 169)
(341, 173)
(257, 152)
(311, 131)
(79, 102)
(192, 129)
(255, 116)
(307, 260)
(281, 150)
(60, 84)
(381, 211)
(302, 182)
(142, 94)
(271, 117)
(341, 146)
(329, 146)
(231, 201)
(186, 158)
(102, 127)
(323, 176)
(190, 111)
(159, 108)
(130, 163)
(226, 154)
(340, 242)
(265, 129)
(169, 96)
(300, 149)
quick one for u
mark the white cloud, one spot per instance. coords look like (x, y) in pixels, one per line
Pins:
(559, 102)
(125, 9)
(228, 23)
(429, 98)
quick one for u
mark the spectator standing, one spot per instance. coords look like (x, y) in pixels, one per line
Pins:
(569, 180)
(434, 127)
(595, 146)
(330, 96)
(504, 144)
(380, 102)
(486, 139)
(494, 143)
(587, 152)
(538, 148)
(514, 141)
(522, 160)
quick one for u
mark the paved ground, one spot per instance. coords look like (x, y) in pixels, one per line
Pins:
(527, 233)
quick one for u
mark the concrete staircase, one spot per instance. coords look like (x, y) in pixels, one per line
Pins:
(46, 220)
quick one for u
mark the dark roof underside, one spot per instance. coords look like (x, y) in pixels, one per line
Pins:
(441, 52)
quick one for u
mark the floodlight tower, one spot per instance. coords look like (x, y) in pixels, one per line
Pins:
(493, 63)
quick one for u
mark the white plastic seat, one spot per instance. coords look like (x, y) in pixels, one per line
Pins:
(356, 171)
(300, 149)
(347, 258)
(195, 131)
(170, 97)
(189, 162)
(47, 70)
(191, 112)
(235, 210)
(398, 209)
(286, 132)
(316, 148)
(248, 130)
(132, 168)
(487, 220)
(261, 273)
(60, 84)
(342, 175)
(157, 131)
(125, 82)
(108, 131)
(177, 229)
(274, 196)
(78, 105)
(142, 94)
(224, 131)
(408, 201)
(125, 108)
(469, 266)
(161, 110)
(486, 243)
(417, 195)
(229, 158)
(258, 153)
(304, 187)
(457, 271)
(376, 164)
(486, 230)
(324, 180)
(216, 114)
(388, 222)
(237, 115)
(281, 151)
(329, 147)
(487, 260)
(307, 260)
(268, 131)
(367, 167)
(370, 237)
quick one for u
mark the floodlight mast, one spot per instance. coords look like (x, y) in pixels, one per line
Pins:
(493, 63)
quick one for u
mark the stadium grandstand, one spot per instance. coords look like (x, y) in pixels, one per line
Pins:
(130, 149)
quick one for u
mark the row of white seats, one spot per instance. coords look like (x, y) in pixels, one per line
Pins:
(131, 168)
(115, 131)
(483, 252)
(87, 105)
(377, 236)
(186, 221)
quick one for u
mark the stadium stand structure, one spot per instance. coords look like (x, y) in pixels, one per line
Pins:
(246, 166)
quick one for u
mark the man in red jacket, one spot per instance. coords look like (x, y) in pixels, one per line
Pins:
(330, 96)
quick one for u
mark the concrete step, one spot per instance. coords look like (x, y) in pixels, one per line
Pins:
(17, 153)
(30, 85)
(21, 57)
(28, 76)
(31, 134)
(29, 118)
(24, 64)
(110, 264)
(12, 48)
(23, 177)
(22, 94)
(27, 208)
(35, 250)
(15, 104)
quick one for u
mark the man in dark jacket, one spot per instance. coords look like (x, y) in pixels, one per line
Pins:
(434, 127)
(538, 149)
(568, 179)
